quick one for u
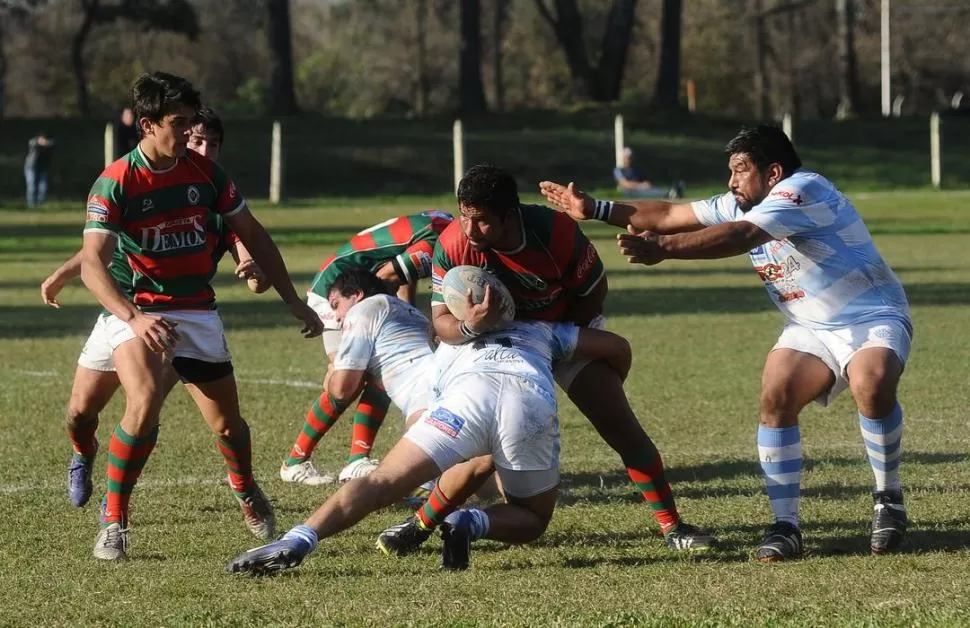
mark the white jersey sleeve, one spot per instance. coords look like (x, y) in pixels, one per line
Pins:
(715, 210)
(360, 330)
(797, 205)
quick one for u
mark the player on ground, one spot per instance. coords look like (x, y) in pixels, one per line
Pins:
(848, 322)
(154, 203)
(555, 274)
(495, 397)
(399, 252)
(95, 380)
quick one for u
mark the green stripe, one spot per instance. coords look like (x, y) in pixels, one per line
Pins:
(108, 188)
(119, 487)
(373, 423)
(170, 198)
(125, 437)
(311, 433)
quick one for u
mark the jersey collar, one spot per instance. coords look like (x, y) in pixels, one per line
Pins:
(148, 164)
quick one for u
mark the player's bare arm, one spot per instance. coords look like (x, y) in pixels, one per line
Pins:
(597, 344)
(264, 251)
(52, 286)
(481, 317)
(583, 309)
(96, 253)
(644, 215)
(344, 385)
(724, 240)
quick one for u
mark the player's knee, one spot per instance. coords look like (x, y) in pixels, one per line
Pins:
(875, 399)
(230, 428)
(778, 408)
(81, 414)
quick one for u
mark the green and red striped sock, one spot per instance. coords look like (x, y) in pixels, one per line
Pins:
(127, 455)
(319, 418)
(238, 453)
(368, 418)
(81, 432)
(435, 509)
(646, 470)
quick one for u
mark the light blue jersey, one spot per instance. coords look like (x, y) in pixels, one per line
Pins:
(524, 349)
(822, 269)
(388, 338)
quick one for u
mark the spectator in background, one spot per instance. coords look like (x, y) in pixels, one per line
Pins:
(36, 167)
(125, 133)
(632, 184)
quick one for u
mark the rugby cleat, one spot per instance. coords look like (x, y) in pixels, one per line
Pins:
(685, 537)
(889, 522)
(112, 543)
(404, 538)
(79, 484)
(359, 468)
(304, 473)
(456, 546)
(280, 555)
(258, 514)
(783, 541)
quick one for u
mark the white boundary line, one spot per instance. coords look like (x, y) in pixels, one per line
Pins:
(292, 383)
(12, 489)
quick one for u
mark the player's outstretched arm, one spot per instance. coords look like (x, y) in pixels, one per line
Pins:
(724, 240)
(643, 215)
(597, 344)
(52, 286)
(267, 255)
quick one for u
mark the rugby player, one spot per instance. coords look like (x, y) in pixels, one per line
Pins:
(154, 203)
(847, 316)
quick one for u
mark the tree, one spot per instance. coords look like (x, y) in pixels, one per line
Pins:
(500, 17)
(10, 11)
(600, 82)
(282, 96)
(848, 67)
(176, 16)
(667, 91)
(471, 94)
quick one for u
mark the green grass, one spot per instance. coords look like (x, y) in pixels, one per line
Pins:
(700, 332)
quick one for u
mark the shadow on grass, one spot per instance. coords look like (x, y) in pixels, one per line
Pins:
(42, 321)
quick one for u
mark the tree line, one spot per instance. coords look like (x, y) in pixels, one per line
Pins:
(359, 58)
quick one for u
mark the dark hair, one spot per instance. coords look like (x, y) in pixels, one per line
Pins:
(211, 123)
(354, 280)
(488, 188)
(157, 94)
(765, 145)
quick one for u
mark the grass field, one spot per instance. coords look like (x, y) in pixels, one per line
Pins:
(700, 332)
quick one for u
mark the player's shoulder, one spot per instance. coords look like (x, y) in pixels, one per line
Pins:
(119, 169)
(373, 306)
(453, 242)
(803, 188)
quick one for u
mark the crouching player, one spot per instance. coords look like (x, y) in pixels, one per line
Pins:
(399, 252)
(494, 396)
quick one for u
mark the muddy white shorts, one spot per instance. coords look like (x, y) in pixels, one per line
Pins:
(96, 353)
(567, 370)
(201, 335)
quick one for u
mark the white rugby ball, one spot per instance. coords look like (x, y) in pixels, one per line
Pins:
(460, 279)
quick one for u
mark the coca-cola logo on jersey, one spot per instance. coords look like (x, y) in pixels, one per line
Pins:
(180, 233)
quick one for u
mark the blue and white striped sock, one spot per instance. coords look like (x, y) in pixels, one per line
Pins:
(780, 454)
(882, 438)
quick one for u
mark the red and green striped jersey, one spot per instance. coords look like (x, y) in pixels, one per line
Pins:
(160, 219)
(406, 241)
(555, 262)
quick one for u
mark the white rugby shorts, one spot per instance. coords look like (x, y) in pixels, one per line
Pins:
(500, 415)
(837, 347)
(201, 334)
(96, 354)
(565, 371)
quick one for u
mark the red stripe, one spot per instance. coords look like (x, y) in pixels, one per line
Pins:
(401, 230)
(364, 242)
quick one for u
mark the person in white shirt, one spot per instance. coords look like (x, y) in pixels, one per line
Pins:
(848, 322)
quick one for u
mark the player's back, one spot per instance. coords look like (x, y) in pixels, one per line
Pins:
(524, 349)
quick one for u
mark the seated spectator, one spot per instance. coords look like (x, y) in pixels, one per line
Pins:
(632, 184)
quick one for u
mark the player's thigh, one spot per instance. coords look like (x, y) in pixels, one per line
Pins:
(542, 503)
(212, 387)
(405, 467)
(141, 373)
(873, 375)
(790, 381)
(461, 425)
(92, 390)
(598, 393)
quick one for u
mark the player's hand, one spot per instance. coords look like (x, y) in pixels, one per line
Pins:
(481, 317)
(156, 332)
(249, 270)
(49, 290)
(567, 199)
(641, 248)
(312, 325)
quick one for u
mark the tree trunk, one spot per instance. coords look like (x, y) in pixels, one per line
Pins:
(500, 17)
(848, 68)
(77, 59)
(761, 80)
(614, 48)
(471, 93)
(3, 70)
(667, 92)
(282, 97)
(421, 35)
(568, 27)
(792, 97)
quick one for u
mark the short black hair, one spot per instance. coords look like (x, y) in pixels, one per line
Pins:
(488, 188)
(765, 145)
(211, 123)
(155, 95)
(354, 280)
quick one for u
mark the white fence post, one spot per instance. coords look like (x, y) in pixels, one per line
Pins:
(276, 165)
(618, 139)
(935, 174)
(109, 144)
(786, 126)
(458, 149)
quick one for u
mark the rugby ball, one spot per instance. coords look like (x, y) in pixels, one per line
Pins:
(460, 279)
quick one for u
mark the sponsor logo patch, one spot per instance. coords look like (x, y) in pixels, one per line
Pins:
(587, 262)
(97, 212)
(794, 197)
(446, 421)
(193, 194)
